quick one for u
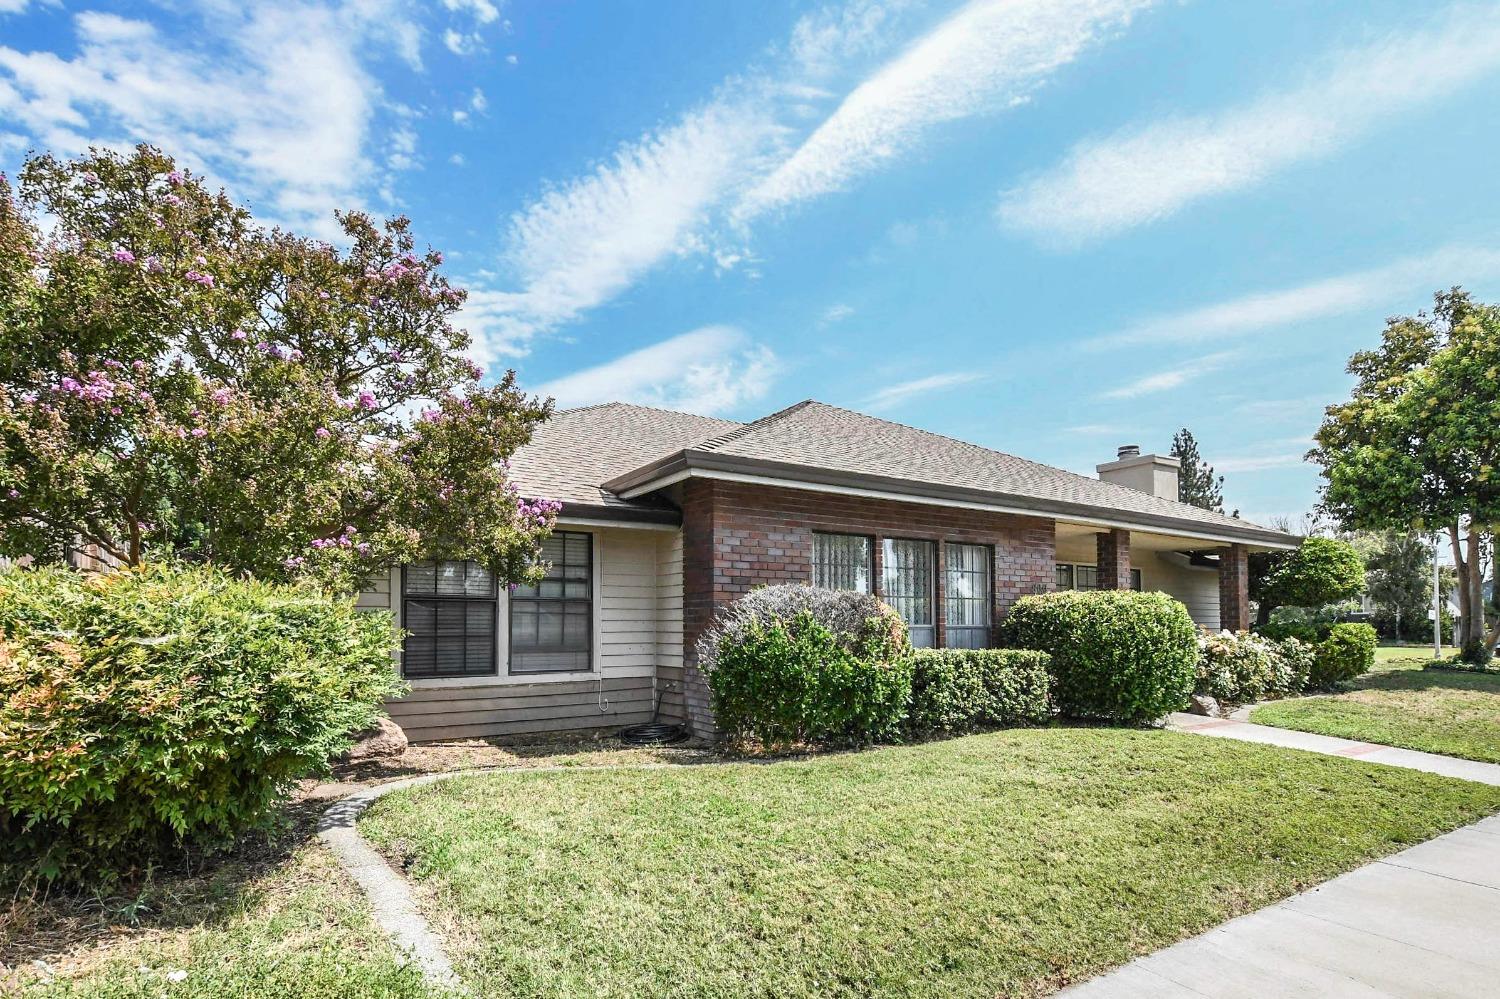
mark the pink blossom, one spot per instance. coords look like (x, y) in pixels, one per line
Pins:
(175, 178)
(294, 562)
(322, 433)
(239, 335)
(221, 395)
(13, 494)
(322, 294)
(432, 416)
(201, 260)
(89, 177)
(154, 265)
(172, 199)
(199, 432)
(363, 548)
(321, 543)
(122, 257)
(367, 400)
(295, 355)
(200, 277)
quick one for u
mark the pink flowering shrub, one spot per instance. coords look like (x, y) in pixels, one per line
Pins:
(177, 381)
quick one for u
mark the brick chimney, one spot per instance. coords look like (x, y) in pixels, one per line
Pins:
(1150, 473)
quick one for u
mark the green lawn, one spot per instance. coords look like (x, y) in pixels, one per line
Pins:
(301, 930)
(1436, 711)
(1009, 863)
(1407, 656)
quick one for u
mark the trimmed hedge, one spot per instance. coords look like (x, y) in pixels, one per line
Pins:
(961, 690)
(1117, 655)
(151, 708)
(794, 664)
(1347, 652)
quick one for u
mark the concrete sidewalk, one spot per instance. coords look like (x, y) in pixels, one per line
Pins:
(1420, 923)
(1234, 728)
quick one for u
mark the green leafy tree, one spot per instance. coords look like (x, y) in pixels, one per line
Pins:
(1320, 571)
(1417, 444)
(1196, 482)
(1399, 580)
(176, 380)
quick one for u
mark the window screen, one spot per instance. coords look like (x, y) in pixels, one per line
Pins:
(966, 594)
(1064, 576)
(1085, 577)
(448, 612)
(552, 623)
(841, 562)
(907, 578)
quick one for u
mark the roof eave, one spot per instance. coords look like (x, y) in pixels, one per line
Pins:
(685, 463)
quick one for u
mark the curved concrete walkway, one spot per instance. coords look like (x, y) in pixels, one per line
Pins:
(1419, 923)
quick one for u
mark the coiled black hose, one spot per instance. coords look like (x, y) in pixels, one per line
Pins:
(653, 732)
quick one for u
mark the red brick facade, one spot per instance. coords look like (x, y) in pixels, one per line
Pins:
(1234, 588)
(1113, 561)
(737, 536)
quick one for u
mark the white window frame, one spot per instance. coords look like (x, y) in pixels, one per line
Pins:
(502, 635)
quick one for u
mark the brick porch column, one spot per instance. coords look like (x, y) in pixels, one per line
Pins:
(1113, 559)
(1234, 588)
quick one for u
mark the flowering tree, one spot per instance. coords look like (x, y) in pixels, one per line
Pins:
(177, 380)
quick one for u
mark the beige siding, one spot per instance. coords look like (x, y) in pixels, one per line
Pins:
(627, 638)
(669, 624)
(1196, 587)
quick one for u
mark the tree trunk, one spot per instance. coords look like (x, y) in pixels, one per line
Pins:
(1459, 567)
(1475, 647)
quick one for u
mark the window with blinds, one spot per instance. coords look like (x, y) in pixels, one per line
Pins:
(552, 623)
(448, 610)
(907, 584)
(966, 595)
(841, 561)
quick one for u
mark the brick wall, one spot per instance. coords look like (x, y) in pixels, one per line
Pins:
(737, 536)
(1112, 557)
(1234, 588)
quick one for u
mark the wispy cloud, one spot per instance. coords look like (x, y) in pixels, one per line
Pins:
(1149, 172)
(836, 313)
(988, 55)
(902, 392)
(689, 187)
(1393, 283)
(273, 99)
(1171, 378)
(709, 370)
(1259, 462)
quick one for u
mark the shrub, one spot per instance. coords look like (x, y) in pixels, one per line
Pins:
(1297, 659)
(158, 707)
(1116, 654)
(1347, 652)
(1236, 667)
(960, 690)
(795, 664)
(1279, 629)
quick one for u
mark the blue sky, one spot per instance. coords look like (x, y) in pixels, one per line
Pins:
(1048, 226)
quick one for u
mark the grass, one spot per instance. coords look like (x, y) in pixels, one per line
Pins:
(302, 930)
(1407, 656)
(1400, 704)
(1009, 863)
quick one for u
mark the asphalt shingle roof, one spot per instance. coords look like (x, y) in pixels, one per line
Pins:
(582, 453)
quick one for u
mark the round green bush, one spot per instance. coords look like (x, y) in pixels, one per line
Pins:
(1117, 655)
(1347, 652)
(148, 709)
(795, 664)
(1237, 668)
(961, 690)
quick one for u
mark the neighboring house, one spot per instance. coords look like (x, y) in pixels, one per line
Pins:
(667, 517)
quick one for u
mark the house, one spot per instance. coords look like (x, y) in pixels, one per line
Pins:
(668, 516)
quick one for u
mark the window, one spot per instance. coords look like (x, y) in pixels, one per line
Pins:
(448, 610)
(907, 578)
(966, 592)
(1086, 577)
(552, 623)
(841, 562)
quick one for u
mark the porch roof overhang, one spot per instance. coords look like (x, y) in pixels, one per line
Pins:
(699, 463)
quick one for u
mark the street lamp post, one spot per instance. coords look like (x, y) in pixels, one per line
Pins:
(1437, 602)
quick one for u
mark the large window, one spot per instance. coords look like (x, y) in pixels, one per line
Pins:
(448, 612)
(1086, 577)
(907, 578)
(841, 562)
(552, 623)
(966, 594)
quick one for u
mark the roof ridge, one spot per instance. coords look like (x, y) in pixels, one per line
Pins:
(719, 440)
(651, 409)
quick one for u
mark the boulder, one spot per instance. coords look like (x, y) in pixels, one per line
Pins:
(1202, 704)
(383, 741)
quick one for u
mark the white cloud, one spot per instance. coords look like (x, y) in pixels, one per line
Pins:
(462, 43)
(483, 11)
(837, 313)
(709, 370)
(582, 243)
(989, 55)
(12, 6)
(1171, 378)
(1335, 296)
(901, 392)
(1146, 173)
(271, 99)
